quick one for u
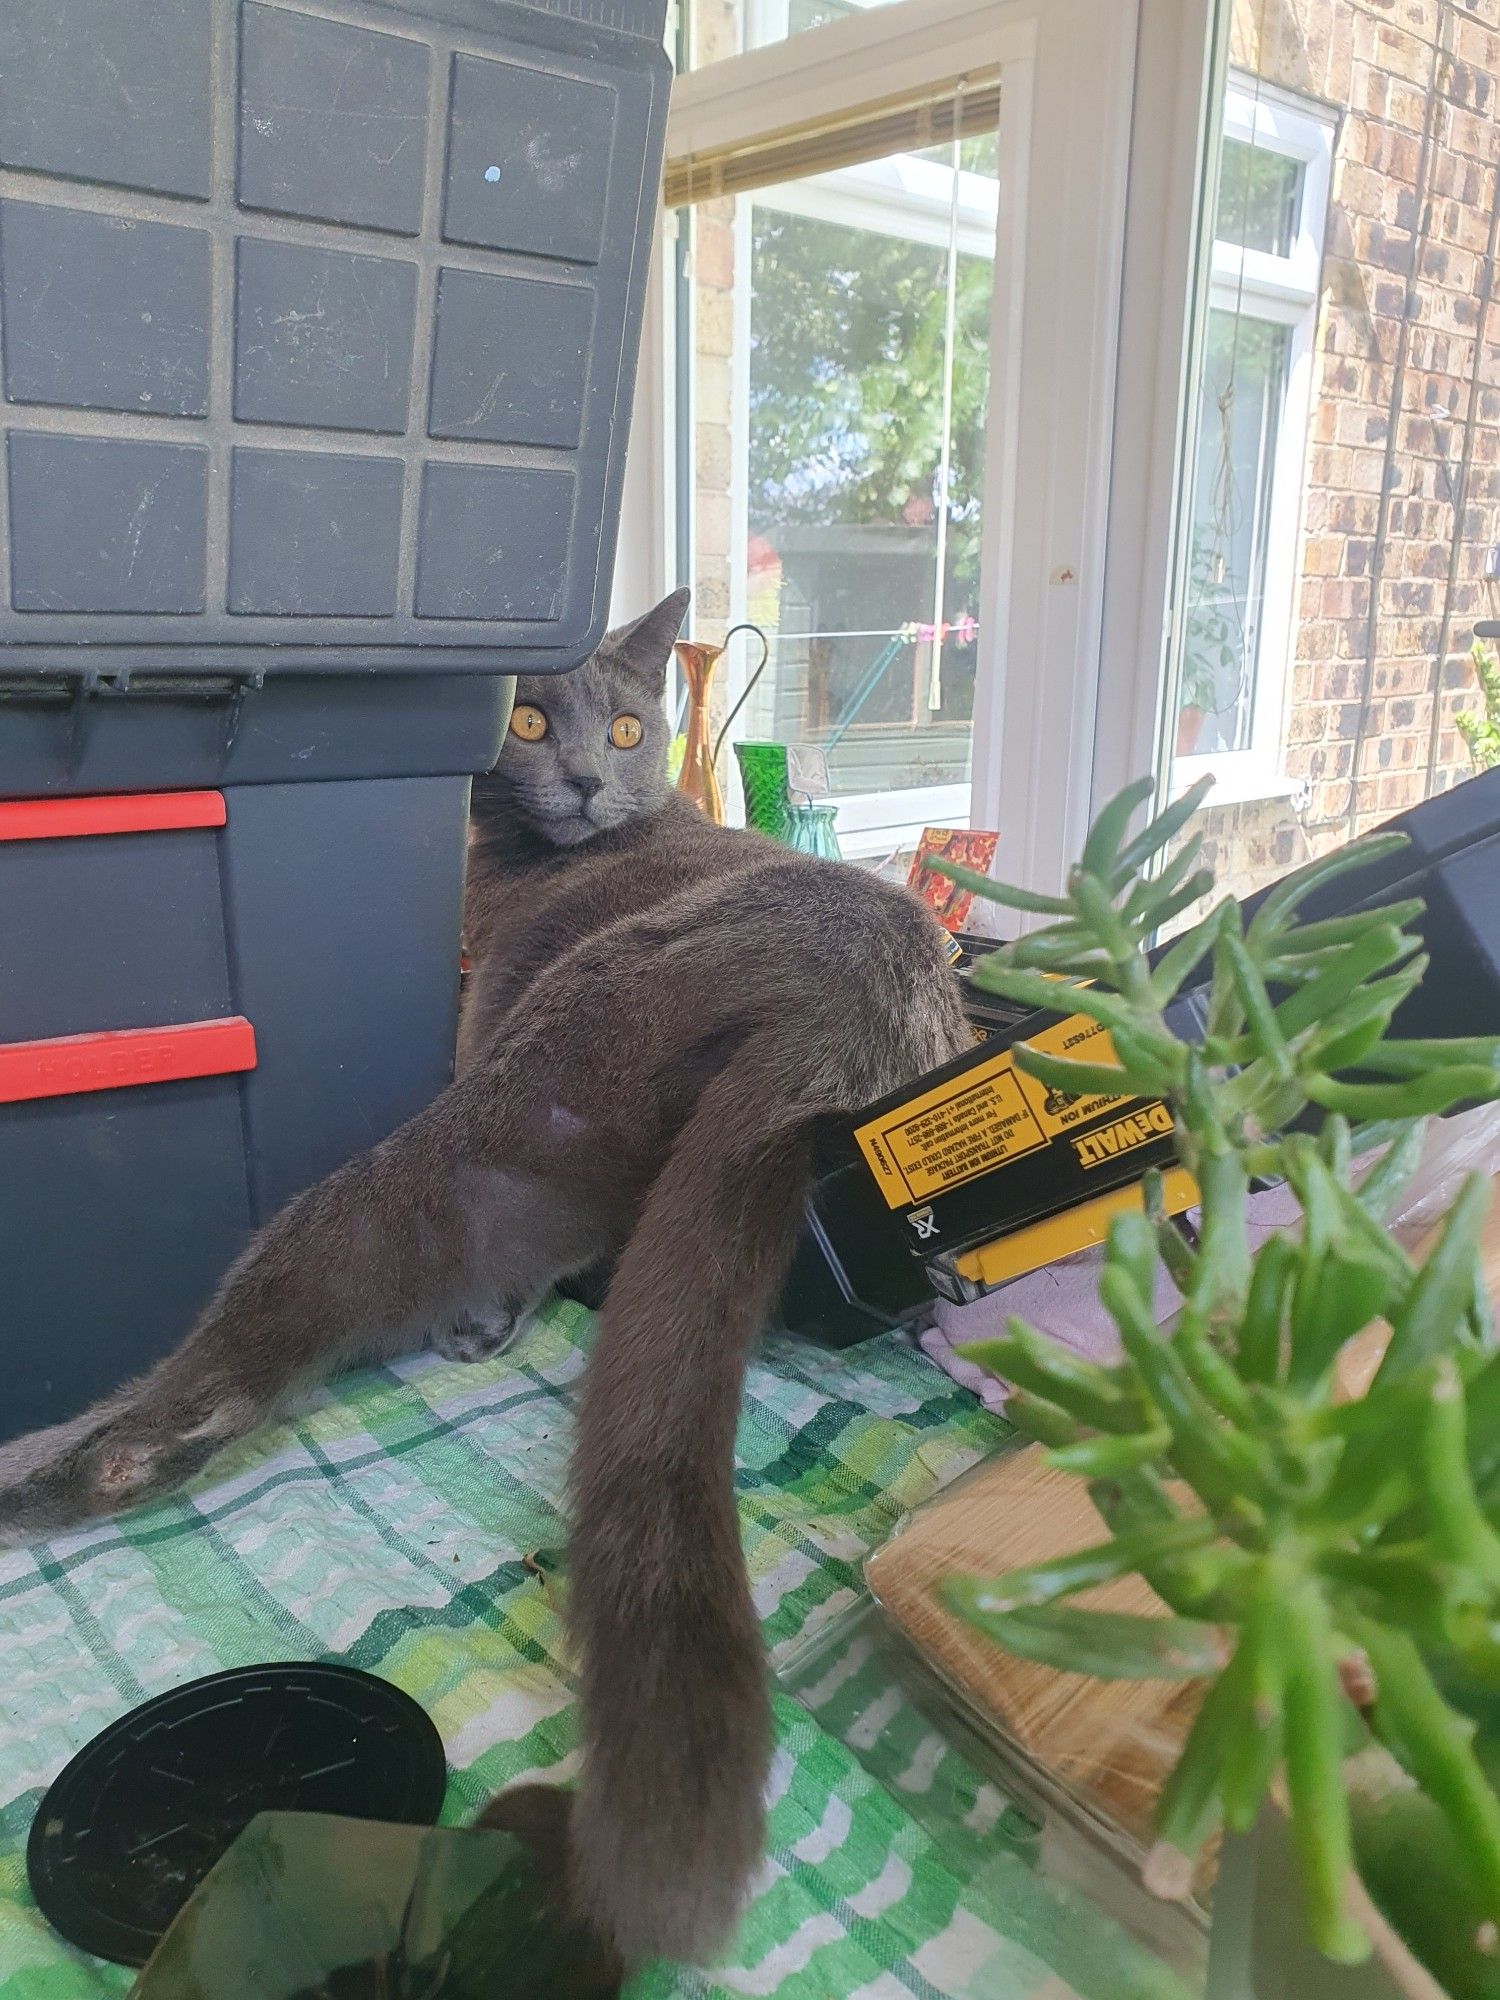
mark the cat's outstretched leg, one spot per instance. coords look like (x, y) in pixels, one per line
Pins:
(392, 1244)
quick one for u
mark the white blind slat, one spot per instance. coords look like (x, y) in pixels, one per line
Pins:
(970, 108)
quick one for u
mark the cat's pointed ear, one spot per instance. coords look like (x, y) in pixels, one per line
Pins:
(644, 646)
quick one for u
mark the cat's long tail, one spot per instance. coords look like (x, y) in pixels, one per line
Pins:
(676, 1722)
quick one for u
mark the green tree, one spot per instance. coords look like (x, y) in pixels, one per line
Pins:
(846, 382)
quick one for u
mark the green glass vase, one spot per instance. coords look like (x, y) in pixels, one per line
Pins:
(763, 769)
(810, 829)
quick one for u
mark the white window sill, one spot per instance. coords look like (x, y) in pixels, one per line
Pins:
(872, 825)
(875, 843)
(1238, 780)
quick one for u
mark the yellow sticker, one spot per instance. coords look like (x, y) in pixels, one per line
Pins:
(978, 1121)
(950, 1134)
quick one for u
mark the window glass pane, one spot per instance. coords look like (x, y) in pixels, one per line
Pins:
(1260, 194)
(837, 389)
(1239, 423)
(720, 28)
(1340, 517)
(815, 13)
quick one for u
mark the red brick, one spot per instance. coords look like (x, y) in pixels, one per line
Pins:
(1335, 682)
(1476, 42)
(1382, 249)
(1368, 90)
(1346, 598)
(1342, 378)
(1321, 555)
(1329, 465)
(1305, 725)
(1454, 222)
(1396, 794)
(1330, 801)
(1353, 513)
(1472, 136)
(1329, 760)
(1398, 154)
(1358, 555)
(1406, 105)
(1358, 424)
(1465, 84)
(1315, 638)
(1366, 471)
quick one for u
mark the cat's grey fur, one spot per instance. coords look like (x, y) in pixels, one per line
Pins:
(660, 1011)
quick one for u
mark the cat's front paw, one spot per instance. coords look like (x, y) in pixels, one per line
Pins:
(478, 1336)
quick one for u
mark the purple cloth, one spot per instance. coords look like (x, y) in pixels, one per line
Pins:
(1063, 1300)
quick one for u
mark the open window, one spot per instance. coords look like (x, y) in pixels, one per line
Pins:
(840, 291)
(870, 214)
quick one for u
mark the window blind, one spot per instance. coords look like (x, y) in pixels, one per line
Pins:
(964, 110)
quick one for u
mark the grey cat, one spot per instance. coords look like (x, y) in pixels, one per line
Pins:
(660, 1011)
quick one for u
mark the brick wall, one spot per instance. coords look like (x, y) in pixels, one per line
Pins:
(1402, 470)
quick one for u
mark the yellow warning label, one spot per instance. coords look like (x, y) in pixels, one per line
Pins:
(1080, 1040)
(977, 1122)
(1139, 1128)
(951, 1134)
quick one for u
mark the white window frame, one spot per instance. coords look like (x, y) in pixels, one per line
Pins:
(646, 556)
(1067, 80)
(1281, 291)
(1183, 76)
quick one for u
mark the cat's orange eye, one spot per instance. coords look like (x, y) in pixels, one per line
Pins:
(528, 723)
(626, 731)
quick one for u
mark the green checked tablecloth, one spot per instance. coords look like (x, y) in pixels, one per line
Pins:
(387, 1528)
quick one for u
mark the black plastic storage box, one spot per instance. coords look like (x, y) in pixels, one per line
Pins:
(318, 329)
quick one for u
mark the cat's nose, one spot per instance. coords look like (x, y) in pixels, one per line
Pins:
(587, 783)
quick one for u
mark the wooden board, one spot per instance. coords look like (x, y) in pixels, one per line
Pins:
(1108, 1743)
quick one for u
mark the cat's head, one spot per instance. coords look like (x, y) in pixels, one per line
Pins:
(587, 751)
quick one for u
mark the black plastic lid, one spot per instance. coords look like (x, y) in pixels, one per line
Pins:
(133, 1824)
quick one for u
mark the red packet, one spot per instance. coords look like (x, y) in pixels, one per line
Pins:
(970, 847)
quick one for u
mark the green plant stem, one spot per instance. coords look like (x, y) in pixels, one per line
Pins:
(1423, 1733)
(1314, 1780)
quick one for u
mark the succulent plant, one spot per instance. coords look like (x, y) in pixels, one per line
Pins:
(1330, 1568)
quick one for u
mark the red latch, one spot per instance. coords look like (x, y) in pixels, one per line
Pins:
(124, 812)
(68, 1065)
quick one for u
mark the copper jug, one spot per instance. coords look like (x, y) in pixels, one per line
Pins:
(697, 778)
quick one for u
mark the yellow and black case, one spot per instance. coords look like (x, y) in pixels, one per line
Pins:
(977, 1174)
(973, 1176)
